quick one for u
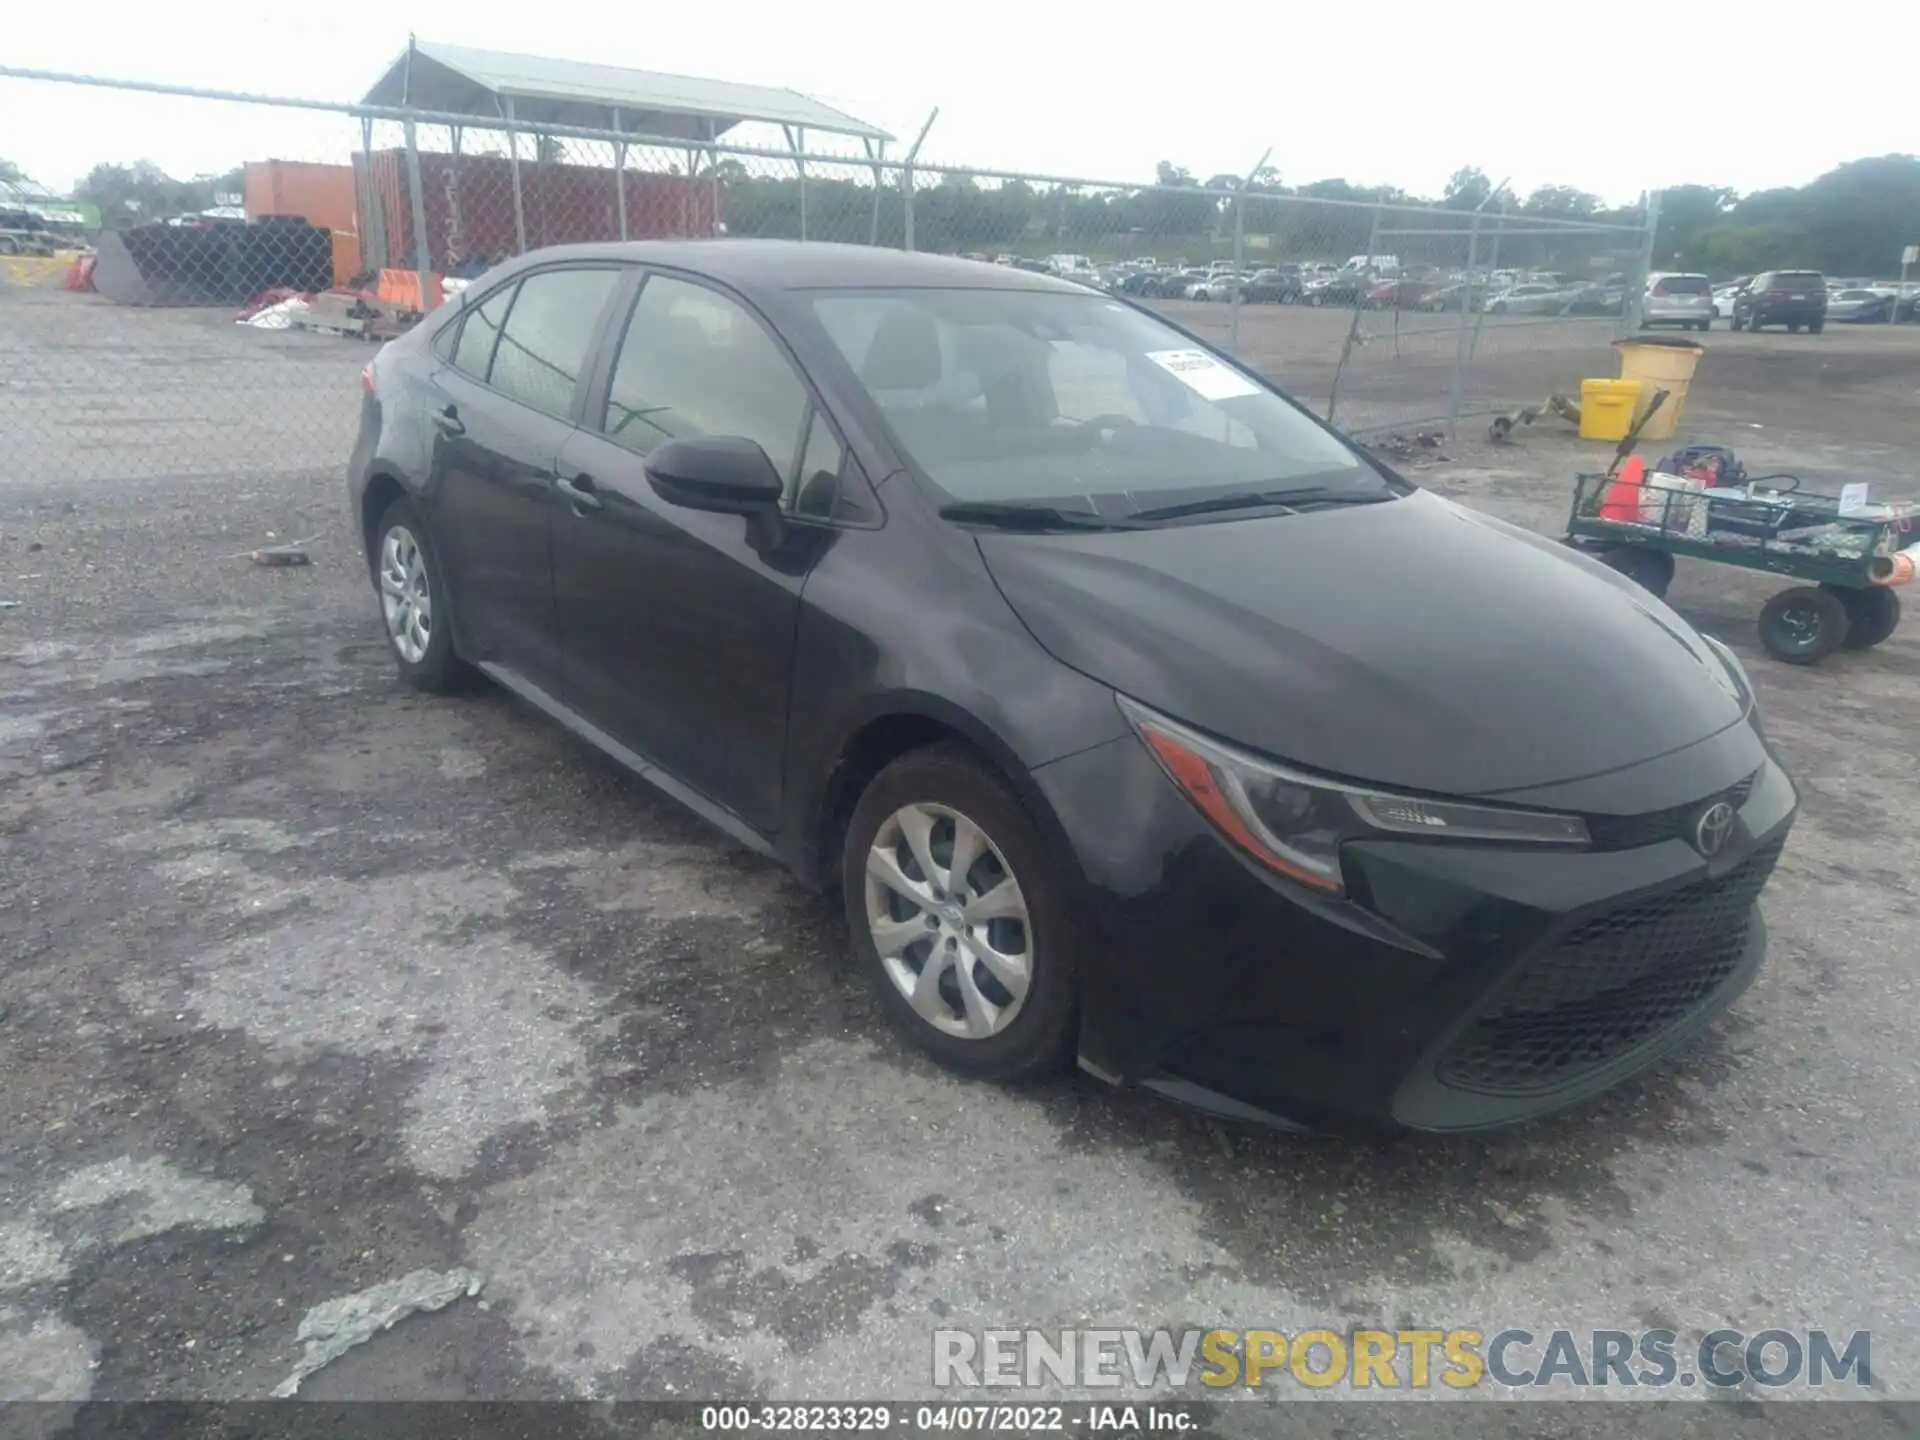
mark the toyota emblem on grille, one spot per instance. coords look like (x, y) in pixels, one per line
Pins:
(1712, 830)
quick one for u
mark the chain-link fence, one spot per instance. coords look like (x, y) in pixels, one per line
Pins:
(219, 325)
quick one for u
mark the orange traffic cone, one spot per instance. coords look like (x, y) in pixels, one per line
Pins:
(1621, 500)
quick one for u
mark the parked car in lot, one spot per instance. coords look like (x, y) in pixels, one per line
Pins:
(1531, 299)
(1793, 298)
(1598, 300)
(1111, 733)
(1345, 288)
(1452, 297)
(1218, 286)
(1272, 287)
(1399, 295)
(1723, 297)
(1862, 307)
(1684, 300)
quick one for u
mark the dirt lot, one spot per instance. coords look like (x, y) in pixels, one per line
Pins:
(310, 983)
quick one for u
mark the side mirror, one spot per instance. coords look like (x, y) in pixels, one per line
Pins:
(724, 474)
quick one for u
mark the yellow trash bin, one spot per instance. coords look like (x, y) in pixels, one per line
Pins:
(1659, 364)
(1607, 408)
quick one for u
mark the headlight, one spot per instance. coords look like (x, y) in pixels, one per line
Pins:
(1295, 823)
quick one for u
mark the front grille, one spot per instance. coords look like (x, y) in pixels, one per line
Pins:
(1625, 832)
(1609, 984)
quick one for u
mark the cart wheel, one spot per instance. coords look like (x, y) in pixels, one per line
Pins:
(1803, 625)
(1872, 614)
(1651, 570)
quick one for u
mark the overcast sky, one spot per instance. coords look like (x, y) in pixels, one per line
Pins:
(1379, 93)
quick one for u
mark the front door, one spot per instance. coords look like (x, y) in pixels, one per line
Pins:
(679, 632)
(501, 410)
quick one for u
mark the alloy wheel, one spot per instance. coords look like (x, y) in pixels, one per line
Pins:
(406, 597)
(949, 921)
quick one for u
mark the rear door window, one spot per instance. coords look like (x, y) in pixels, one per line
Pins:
(473, 353)
(548, 334)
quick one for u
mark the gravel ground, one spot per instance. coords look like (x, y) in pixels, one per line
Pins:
(310, 984)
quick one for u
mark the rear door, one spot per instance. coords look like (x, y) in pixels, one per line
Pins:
(505, 405)
(679, 630)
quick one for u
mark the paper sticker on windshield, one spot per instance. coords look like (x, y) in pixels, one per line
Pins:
(1203, 374)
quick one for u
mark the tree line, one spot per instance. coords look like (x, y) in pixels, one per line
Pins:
(1854, 220)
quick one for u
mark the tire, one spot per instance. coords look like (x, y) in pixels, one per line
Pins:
(1814, 327)
(1704, 326)
(405, 572)
(1651, 570)
(1019, 1036)
(1499, 308)
(1737, 323)
(7, 245)
(1793, 327)
(1804, 625)
(1873, 614)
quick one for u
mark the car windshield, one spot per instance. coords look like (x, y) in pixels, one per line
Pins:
(1039, 397)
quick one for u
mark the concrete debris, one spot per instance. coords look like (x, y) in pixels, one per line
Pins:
(291, 552)
(333, 1327)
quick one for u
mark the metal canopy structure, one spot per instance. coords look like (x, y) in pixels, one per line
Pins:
(530, 90)
(493, 84)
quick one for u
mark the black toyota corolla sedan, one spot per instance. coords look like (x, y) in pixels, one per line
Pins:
(1136, 716)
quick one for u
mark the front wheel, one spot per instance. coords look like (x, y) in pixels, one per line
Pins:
(963, 915)
(1803, 625)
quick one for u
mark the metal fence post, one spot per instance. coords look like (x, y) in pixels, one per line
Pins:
(422, 257)
(1239, 247)
(1353, 327)
(1233, 293)
(906, 175)
(1633, 312)
(519, 202)
(620, 176)
(1463, 339)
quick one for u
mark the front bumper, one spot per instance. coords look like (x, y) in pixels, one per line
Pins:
(1458, 987)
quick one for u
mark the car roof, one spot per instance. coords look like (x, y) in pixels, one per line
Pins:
(808, 265)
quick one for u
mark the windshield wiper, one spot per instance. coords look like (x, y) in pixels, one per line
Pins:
(1259, 500)
(1017, 515)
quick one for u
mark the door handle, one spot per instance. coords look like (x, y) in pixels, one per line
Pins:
(580, 492)
(448, 421)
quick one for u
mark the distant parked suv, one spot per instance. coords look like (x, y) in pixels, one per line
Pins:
(1792, 298)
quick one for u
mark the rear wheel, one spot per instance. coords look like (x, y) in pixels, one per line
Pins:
(1814, 327)
(1651, 570)
(1793, 327)
(1803, 625)
(1737, 323)
(1873, 614)
(413, 603)
(962, 914)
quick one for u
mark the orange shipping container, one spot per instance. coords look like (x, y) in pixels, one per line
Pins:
(320, 194)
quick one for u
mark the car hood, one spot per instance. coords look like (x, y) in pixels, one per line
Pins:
(1414, 643)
